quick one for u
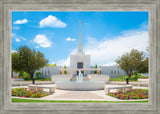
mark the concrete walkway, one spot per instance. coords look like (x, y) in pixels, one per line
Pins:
(79, 96)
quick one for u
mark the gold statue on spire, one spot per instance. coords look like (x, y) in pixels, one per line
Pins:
(80, 23)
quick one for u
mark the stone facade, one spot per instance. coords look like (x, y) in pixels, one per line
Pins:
(112, 71)
(75, 59)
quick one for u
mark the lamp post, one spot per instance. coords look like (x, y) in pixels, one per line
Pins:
(33, 81)
(127, 81)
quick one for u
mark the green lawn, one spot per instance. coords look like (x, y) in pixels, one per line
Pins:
(16, 100)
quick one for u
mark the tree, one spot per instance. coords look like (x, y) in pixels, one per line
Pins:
(143, 68)
(95, 72)
(15, 62)
(133, 61)
(29, 60)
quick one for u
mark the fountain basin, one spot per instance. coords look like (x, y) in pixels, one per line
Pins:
(83, 85)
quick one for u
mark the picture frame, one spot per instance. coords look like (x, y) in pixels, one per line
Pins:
(152, 6)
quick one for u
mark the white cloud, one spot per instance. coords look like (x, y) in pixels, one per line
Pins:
(53, 63)
(18, 40)
(17, 37)
(42, 40)
(21, 21)
(52, 21)
(37, 47)
(67, 60)
(70, 39)
(107, 51)
(14, 51)
(64, 62)
(16, 28)
(13, 35)
(22, 38)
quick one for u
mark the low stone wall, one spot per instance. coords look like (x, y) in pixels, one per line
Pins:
(143, 80)
(117, 88)
(26, 83)
(44, 88)
(143, 84)
(98, 77)
(17, 79)
(61, 77)
(91, 77)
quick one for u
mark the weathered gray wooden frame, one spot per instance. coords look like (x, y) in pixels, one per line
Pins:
(152, 6)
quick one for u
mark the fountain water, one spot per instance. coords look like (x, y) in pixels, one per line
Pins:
(79, 76)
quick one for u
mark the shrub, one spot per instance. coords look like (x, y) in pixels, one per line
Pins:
(64, 72)
(38, 73)
(125, 77)
(134, 77)
(26, 77)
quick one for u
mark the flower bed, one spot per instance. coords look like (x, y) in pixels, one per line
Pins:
(24, 92)
(132, 94)
(16, 77)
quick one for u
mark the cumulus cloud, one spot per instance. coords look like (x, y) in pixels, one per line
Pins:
(21, 21)
(13, 35)
(17, 40)
(42, 40)
(52, 21)
(70, 39)
(22, 38)
(17, 37)
(14, 51)
(64, 62)
(107, 51)
(67, 60)
(16, 28)
(37, 47)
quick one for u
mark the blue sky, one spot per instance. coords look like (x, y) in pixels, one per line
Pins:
(105, 35)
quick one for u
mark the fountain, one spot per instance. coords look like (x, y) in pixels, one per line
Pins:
(80, 84)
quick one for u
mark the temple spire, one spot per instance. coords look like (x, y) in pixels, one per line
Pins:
(80, 47)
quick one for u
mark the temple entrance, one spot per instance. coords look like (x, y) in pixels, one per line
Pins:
(80, 66)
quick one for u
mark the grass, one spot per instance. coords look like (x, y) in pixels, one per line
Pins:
(16, 100)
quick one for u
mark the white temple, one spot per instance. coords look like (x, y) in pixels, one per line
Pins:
(80, 60)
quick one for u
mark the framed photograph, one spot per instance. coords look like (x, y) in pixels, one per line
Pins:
(79, 56)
